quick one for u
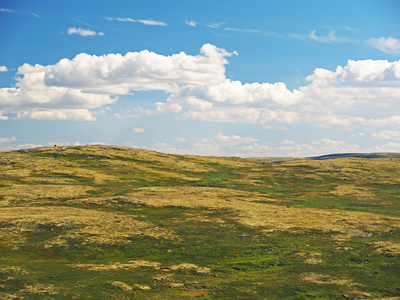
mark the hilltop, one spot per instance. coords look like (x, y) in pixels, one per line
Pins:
(107, 222)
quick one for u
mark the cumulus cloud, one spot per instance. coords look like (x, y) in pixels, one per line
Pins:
(145, 22)
(234, 139)
(7, 140)
(145, 70)
(388, 45)
(138, 130)
(71, 89)
(27, 146)
(3, 69)
(191, 23)
(387, 134)
(83, 32)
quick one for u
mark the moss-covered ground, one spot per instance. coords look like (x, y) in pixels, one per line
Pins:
(103, 222)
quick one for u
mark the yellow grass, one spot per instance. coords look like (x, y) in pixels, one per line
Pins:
(122, 285)
(312, 258)
(388, 248)
(326, 279)
(119, 265)
(269, 216)
(94, 226)
(35, 192)
(360, 193)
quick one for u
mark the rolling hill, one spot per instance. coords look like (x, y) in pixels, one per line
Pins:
(106, 222)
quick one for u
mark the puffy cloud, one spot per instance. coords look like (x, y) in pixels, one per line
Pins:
(353, 93)
(235, 145)
(191, 23)
(58, 114)
(145, 70)
(387, 134)
(234, 139)
(3, 69)
(145, 22)
(388, 45)
(361, 93)
(7, 140)
(347, 96)
(27, 146)
(71, 89)
(326, 145)
(232, 101)
(138, 130)
(83, 32)
(33, 98)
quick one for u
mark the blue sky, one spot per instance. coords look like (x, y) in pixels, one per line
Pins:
(231, 78)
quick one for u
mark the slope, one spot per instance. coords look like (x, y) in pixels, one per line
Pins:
(105, 222)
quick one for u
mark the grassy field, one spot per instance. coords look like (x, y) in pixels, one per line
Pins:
(104, 222)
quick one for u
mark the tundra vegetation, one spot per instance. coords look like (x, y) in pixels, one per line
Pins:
(104, 222)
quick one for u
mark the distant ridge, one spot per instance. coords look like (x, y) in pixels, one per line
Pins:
(358, 155)
(277, 160)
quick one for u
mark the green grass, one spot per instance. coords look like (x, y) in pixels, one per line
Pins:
(243, 261)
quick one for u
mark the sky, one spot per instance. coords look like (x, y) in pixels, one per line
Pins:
(221, 78)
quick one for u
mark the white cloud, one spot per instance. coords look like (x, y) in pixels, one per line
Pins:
(71, 89)
(191, 23)
(242, 30)
(27, 146)
(3, 69)
(145, 22)
(166, 148)
(58, 114)
(7, 10)
(145, 70)
(7, 140)
(388, 45)
(288, 142)
(330, 38)
(326, 145)
(215, 25)
(361, 93)
(138, 130)
(83, 32)
(235, 145)
(152, 22)
(387, 134)
(234, 140)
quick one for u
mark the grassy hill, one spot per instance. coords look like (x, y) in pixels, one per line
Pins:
(103, 222)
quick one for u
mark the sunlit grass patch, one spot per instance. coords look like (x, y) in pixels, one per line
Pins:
(311, 257)
(129, 265)
(388, 248)
(268, 216)
(31, 193)
(93, 226)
